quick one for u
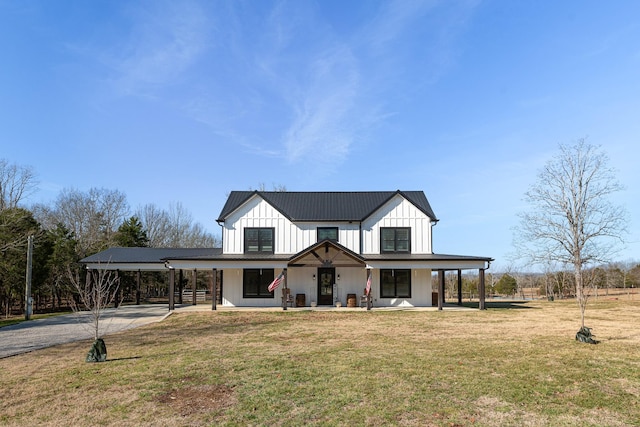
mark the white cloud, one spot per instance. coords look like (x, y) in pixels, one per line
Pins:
(324, 120)
(166, 39)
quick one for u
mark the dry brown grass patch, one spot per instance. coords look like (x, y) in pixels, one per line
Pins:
(194, 399)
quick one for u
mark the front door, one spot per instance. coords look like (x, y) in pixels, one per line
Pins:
(325, 285)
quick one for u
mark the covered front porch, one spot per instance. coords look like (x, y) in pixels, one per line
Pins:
(325, 274)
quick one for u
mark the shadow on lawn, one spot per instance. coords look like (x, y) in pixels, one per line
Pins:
(123, 358)
(500, 305)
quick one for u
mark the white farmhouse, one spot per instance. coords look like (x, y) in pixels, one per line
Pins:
(323, 248)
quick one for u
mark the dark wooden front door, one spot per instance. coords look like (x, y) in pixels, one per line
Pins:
(326, 279)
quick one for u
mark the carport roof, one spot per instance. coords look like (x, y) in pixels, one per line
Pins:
(118, 255)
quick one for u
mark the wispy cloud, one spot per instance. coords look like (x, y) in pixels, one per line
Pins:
(323, 120)
(165, 39)
(394, 18)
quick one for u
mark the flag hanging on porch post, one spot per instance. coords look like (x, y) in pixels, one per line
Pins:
(276, 282)
(367, 289)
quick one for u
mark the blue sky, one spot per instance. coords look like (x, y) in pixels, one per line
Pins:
(184, 101)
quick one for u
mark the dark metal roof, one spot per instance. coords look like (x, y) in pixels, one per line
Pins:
(148, 255)
(326, 206)
(425, 257)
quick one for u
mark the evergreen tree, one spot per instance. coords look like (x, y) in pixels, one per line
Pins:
(507, 285)
(131, 234)
(16, 225)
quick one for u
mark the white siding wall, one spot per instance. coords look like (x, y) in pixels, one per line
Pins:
(421, 288)
(290, 238)
(352, 281)
(398, 212)
(257, 213)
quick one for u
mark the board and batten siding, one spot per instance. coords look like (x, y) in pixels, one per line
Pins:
(397, 212)
(290, 238)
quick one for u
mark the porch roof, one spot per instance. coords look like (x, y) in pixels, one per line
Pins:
(324, 253)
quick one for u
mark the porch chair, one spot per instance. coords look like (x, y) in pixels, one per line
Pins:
(363, 299)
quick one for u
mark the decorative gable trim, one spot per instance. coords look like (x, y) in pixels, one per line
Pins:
(327, 253)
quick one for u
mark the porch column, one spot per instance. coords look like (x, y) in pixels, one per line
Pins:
(440, 289)
(194, 280)
(459, 287)
(116, 297)
(481, 289)
(284, 290)
(138, 274)
(214, 289)
(172, 288)
(369, 302)
(180, 287)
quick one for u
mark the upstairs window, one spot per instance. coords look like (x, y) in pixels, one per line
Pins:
(395, 283)
(395, 240)
(330, 233)
(258, 240)
(256, 281)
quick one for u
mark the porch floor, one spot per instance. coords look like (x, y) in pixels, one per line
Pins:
(207, 307)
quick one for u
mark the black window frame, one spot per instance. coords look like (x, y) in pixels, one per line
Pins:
(396, 241)
(264, 275)
(318, 239)
(395, 273)
(260, 242)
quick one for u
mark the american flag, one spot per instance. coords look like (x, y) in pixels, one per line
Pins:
(276, 282)
(367, 289)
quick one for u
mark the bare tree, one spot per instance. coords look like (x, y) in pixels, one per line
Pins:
(155, 221)
(16, 183)
(274, 187)
(94, 296)
(93, 217)
(571, 219)
(173, 228)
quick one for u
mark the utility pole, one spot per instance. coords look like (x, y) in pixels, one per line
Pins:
(28, 300)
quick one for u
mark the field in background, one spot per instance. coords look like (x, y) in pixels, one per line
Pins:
(514, 365)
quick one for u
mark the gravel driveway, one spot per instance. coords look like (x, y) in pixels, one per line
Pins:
(35, 334)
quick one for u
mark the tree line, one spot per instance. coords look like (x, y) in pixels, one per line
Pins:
(619, 278)
(75, 225)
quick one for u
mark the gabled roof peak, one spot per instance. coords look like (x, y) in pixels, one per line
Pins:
(326, 205)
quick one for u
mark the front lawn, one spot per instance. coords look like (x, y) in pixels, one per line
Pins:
(503, 366)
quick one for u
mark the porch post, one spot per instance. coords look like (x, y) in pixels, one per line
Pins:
(284, 290)
(180, 287)
(440, 289)
(369, 280)
(194, 279)
(481, 305)
(459, 287)
(138, 274)
(214, 289)
(172, 288)
(116, 297)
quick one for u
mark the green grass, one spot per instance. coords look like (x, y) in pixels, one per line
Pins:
(498, 367)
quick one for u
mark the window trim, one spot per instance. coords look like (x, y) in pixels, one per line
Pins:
(327, 228)
(395, 240)
(395, 282)
(264, 283)
(260, 244)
